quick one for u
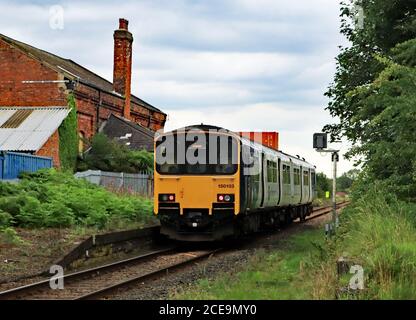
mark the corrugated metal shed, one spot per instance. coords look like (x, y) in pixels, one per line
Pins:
(12, 164)
(31, 133)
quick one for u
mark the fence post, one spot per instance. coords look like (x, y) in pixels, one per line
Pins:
(121, 181)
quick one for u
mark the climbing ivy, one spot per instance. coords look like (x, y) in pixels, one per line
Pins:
(68, 137)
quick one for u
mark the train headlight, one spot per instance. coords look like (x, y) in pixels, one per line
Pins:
(166, 197)
(225, 198)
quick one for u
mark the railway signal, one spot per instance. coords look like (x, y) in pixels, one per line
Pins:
(320, 144)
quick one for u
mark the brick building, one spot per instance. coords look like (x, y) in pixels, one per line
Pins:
(31, 77)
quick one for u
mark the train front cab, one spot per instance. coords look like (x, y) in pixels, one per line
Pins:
(197, 202)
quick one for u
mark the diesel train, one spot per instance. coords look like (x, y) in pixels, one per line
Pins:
(210, 184)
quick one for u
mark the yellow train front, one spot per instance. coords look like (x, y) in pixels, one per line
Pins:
(205, 189)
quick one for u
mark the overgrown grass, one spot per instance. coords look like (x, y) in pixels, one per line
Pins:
(378, 232)
(281, 274)
(50, 198)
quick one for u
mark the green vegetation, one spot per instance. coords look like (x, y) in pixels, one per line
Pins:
(374, 94)
(108, 155)
(50, 198)
(346, 180)
(323, 184)
(68, 137)
(377, 232)
(374, 97)
(281, 274)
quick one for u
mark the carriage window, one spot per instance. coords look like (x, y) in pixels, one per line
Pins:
(271, 171)
(286, 174)
(296, 176)
(306, 178)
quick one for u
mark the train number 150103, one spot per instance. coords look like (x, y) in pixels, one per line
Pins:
(226, 186)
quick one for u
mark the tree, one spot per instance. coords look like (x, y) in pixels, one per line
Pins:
(374, 92)
(345, 181)
(386, 24)
(108, 155)
(323, 184)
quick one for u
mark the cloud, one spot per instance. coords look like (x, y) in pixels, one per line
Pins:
(295, 130)
(241, 64)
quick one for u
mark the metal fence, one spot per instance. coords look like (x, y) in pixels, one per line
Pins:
(133, 183)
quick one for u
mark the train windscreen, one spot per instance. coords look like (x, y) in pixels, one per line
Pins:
(196, 154)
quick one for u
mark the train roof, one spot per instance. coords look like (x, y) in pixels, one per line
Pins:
(205, 127)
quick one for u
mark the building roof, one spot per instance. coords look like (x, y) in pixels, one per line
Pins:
(71, 69)
(28, 128)
(125, 131)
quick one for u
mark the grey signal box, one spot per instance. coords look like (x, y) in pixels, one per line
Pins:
(320, 141)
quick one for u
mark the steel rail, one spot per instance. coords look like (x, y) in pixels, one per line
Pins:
(41, 285)
(326, 210)
(147, 276)
(30, 289)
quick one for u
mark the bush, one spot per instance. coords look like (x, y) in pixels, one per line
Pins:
(5, 219)
(49, 198)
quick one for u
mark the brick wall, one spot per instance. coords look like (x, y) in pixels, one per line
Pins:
(88, 99)
(16, 67)
(51, 149)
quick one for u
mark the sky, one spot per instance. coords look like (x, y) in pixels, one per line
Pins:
(245, 65)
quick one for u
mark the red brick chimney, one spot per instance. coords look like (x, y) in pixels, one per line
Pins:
(123, 40)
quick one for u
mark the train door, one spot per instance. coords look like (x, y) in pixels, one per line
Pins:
(271, 181)
(297, 188)
(286, 184)
(255, 177)
(292, 182)
(302, 185)
(305, 185)
(313, 185)
(279, 180)
(262, 178)
(265, 179)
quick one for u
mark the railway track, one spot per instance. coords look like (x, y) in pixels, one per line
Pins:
(102, 281)
(318, 212)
